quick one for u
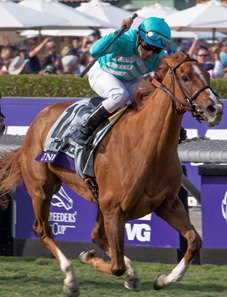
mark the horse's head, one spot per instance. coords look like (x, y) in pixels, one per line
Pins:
(194, 93)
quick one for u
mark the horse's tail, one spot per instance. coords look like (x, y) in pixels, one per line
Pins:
(10, 172)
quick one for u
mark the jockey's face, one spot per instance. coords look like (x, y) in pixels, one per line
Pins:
(146, 51)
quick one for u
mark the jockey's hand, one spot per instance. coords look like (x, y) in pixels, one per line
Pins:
(126, 24)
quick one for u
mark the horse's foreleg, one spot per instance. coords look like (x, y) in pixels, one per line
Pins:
(132, 281)
(42, 229)
(71, 285)
(98, 236)
(177, 217)
(114, 224)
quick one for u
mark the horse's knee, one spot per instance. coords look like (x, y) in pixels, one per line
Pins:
(118, 270)
(41, 230)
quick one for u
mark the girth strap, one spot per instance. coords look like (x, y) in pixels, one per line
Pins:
(93, 186)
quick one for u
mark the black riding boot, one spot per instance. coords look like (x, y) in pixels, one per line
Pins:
(93, 121)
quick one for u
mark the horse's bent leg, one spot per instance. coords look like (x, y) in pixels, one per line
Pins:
(132, 281)
(177, 217)
(42, 229)
(41, 192)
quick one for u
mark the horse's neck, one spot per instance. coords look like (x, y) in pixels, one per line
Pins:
(159, 124)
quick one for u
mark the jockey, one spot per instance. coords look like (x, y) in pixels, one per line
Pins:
(115, 74)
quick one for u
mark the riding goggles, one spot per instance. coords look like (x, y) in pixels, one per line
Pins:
(148, 47)
(155, 36)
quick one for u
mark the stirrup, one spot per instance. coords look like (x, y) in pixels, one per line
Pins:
(82, 138)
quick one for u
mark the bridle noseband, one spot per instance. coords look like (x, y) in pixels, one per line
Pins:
(190, 105)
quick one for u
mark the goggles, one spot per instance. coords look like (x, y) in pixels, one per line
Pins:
(149, 47)
(155, 36)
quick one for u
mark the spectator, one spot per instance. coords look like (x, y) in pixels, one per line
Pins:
(22, 52)
(95, 35)
(49, 69)
(84, 60)
(14, 51)
(208, 58)
(2, 72)
(18, 66)
(70, 64)
(89, 40)
(32, 52)
(6, 55)
(67, 50)
(223, 56)
(52, 57)
(76, 46)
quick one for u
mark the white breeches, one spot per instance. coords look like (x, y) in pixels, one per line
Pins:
(106, 85)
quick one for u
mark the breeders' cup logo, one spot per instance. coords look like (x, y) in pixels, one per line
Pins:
(62, 199)
(224, 207)
(64, 217)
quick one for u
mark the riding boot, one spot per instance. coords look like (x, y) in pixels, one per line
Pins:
(93, 121)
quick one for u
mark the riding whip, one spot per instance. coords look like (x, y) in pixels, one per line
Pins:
(117, 34)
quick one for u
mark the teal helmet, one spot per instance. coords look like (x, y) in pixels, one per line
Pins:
(155, 31)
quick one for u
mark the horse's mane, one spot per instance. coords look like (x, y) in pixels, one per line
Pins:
(146, 88)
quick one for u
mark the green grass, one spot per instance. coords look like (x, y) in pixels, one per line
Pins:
(25, 277)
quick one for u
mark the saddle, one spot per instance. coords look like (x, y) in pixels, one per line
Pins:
(60, 147)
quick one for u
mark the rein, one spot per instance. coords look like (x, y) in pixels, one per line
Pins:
(189, 106)
(161, 86)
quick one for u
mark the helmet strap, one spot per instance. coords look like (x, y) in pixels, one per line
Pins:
(139, 39)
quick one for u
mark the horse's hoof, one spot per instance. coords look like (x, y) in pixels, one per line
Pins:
(132, 283)
(159, 282)
(71, 292)
(85, 256)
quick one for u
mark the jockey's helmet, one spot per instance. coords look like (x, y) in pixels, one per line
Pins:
(155, 31)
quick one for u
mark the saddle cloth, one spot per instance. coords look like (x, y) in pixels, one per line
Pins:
(60, 147)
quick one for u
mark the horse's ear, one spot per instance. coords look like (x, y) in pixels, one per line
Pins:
(176, 57)
(161, 70)
(185, 53)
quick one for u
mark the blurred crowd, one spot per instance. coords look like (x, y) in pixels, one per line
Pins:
(212, 58)
(46, 57)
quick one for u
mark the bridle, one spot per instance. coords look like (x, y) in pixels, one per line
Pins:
(189, 100)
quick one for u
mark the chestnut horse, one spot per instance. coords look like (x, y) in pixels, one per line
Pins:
(136, 166)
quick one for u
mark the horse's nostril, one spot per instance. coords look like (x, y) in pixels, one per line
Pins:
(197, 109)
(211, 109)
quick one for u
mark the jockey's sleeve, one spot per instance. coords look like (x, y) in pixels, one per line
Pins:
(100, 44)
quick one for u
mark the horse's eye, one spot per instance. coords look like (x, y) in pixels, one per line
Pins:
(185, 78)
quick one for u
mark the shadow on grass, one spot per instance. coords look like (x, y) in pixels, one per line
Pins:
(23, 278)
(211, 287)
(180, 288)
